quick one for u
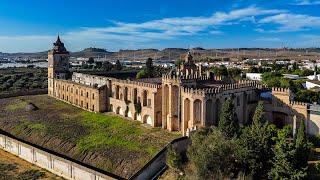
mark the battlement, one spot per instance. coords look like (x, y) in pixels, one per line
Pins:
(190, 78)
(278, 89)
(298, 103)
(137, 83)
(249, 85)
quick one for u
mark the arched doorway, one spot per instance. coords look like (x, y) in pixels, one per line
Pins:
(147, 119)
(119, 111)
(279, 119)
(111, 108)
(129, 114)
(137, 116)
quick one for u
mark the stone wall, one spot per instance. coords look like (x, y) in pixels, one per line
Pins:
(124, 94)
(51, 161)
(87, 97)
(23, 93)
(158, 163)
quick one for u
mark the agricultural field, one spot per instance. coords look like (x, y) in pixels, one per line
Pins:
(17, 79)
(112, 143)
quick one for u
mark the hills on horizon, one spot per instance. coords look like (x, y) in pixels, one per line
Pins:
(178, 53)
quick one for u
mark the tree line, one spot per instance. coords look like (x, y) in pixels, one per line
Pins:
(257, 150)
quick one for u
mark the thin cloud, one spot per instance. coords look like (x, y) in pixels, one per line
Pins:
(269, 39)
(290, 22)
(306, 2)
(170, 28)
(215, 32)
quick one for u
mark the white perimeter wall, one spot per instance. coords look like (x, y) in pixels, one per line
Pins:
(50, 162)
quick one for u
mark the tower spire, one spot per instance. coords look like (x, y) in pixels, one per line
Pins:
(58, 46)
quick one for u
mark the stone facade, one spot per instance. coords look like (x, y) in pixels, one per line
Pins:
(181, 100)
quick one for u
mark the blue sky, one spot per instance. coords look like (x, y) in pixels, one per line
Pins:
(30, 26)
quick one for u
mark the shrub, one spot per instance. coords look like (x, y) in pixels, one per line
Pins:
(137, 107)
(317, 166)
(173, 158)
(315, 140)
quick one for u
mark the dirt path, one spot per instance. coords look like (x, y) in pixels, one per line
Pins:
(14, 168)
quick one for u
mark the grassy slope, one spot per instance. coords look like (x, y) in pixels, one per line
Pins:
(113, 137)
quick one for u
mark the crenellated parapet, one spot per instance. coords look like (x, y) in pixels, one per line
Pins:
(191, 78)
(248, 85)
(298, 103)
(136, 83)
(279, 89)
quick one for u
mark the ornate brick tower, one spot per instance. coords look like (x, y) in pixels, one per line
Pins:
(58, 64)
(188, 67)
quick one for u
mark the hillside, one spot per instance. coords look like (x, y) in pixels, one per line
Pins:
(177, 53)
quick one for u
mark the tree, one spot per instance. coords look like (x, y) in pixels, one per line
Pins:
(307, 96)
(91, 60)
(229, 123)
(252, 69)
(107, 66)
(149, 68)
(285, 164)
(255, 142)
(118, 66)
(98, 65)
(178, 62)
(234, 72)
(220, 71)
(258, 117)
(141, 74)
(302, 147)
(211, 154)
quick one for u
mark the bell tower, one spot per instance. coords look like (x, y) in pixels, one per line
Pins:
(58, 64)
(189, 68)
